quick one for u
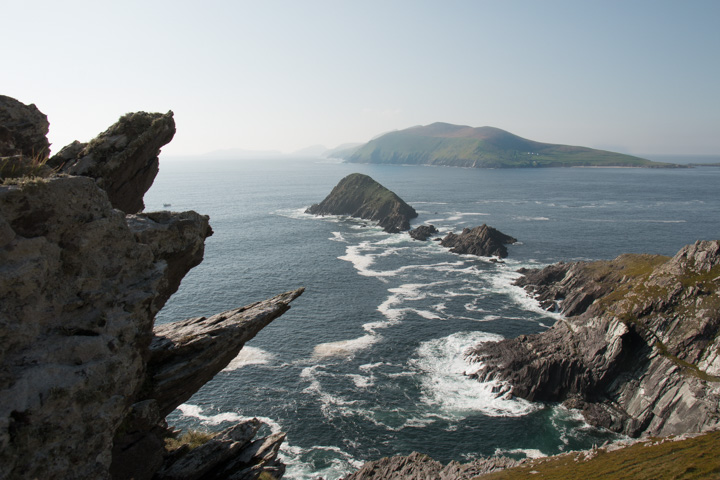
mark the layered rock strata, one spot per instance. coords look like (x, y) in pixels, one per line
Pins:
(360, 196)
(483, 241)
(81, 282)
(638, 352)
(420, 466)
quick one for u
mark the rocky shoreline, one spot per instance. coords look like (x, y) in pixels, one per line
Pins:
(639, 350)
(87, 379)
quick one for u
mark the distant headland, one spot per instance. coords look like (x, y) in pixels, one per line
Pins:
(483, 147)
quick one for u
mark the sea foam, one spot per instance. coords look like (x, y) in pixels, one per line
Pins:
(446, 386)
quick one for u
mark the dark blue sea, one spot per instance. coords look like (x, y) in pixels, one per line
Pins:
(368, 362)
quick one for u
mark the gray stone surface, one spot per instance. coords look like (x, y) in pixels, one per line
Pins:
(483, 241)
(123, 159)
(638, 353)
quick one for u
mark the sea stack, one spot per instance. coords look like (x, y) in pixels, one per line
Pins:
(483, 241)
(360, 196)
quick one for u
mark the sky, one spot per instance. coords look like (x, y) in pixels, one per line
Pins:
(633, 76)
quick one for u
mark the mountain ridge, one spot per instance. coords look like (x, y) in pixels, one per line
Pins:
(447, 144)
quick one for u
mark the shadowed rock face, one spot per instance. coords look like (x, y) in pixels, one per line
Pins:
(80, 284)
(360, 196)
(123, 159)
(483, 241)
(185, 355)
(79, 297)
(23, 130)
(639, 351)
(423, 232)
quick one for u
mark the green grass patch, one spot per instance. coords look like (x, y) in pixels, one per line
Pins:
(694, 458)
(191, 438)
(686, 367)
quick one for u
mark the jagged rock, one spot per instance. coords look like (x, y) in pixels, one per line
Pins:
(123, 159)
(172, 238)
(639, 353)
(23, 130)
(413, 466)
(79, 296)
(187, 354)
(423, 232)
(360, 196)
(81, 283)
(483, 241)
(418, 466)
(229, 454)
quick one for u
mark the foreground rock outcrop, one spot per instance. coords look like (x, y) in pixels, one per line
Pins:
(420, 466)
(639, 352)
(23, 130)
(360, 196)
(123, 159)
(483, 241)
(85, 380)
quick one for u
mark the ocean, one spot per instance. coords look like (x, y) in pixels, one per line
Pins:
(369, 362)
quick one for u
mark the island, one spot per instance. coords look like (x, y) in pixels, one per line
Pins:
(483, 147)
(360, 196)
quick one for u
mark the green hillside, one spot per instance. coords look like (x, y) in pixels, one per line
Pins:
(483, 147)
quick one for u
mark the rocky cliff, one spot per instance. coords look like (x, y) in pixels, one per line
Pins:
(360, 196)
(639, 351)
(86, 379)
(483, 241)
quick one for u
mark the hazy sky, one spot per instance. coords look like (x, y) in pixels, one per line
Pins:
(637, 76)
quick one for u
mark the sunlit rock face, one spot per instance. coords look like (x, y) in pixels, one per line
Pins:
(637, 352)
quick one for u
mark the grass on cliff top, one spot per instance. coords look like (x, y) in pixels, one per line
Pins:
(20, 169)
(694, 458)
(191, 438)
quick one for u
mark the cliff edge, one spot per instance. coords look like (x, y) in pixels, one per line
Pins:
(85, 377)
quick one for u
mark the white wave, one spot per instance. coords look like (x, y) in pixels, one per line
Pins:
(338, 237)
(301, 462)
(404, 293)
(361, 381)
(295, 213)
(371, 366)
(362, 257)
(331, 406)
(503, 282)
(440, 307)
(447, 387)
(528, 452)
(249, 356)
(427, 315)
(344, 348)
(533, 219)
(195, 411)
